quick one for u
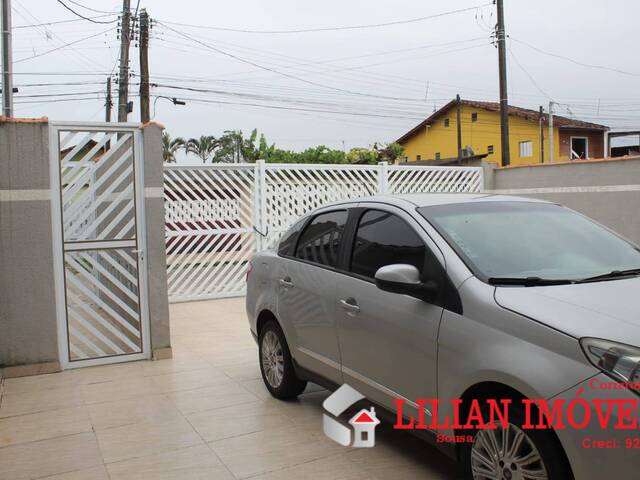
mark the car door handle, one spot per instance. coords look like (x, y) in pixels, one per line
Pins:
(286, 282)
(349, 307)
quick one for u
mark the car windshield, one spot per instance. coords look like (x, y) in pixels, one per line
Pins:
(500, 239)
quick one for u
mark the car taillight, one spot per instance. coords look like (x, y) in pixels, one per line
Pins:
(249, 269)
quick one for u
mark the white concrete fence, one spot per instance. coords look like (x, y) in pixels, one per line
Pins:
(218, 216)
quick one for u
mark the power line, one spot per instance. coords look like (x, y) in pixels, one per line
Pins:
(82, 16)
(576, 62)
(85, 59)
(533, 81)
(64, 45)
(331, 29)
(88, 8)
(284, 74)
(57, 22)
(278, 107)
(66, 94)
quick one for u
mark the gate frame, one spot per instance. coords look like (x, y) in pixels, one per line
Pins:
(57, 228)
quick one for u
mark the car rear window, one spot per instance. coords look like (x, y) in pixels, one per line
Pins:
(288, 240)
(321, 240)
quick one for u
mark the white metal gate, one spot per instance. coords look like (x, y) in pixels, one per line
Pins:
(99, 243)
(218, 216)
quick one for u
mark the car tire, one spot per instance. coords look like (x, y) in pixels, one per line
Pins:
(543, 442)
(276, 364)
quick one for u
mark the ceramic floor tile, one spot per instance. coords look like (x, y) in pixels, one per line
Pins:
(193, 463)
(211, 398)
(105, 373)
(49, 457)
(237, 420)
(190, 380)
(96, 473)
(40, 426)
(39, 401)
(257, 388)
(335, 467)
(37, 383)
(243, 371)
(110, 391)
(140, 439)
(271, 450)
(153, 408)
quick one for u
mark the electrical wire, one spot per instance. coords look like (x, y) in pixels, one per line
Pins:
(332, 29)
(88, 8)
(82, 16)
(533, 81)
(284, 74)
(64, 46)
(576, 62)
(57, 22)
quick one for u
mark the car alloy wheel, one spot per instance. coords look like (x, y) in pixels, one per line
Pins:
(272, 359)
(506, 454)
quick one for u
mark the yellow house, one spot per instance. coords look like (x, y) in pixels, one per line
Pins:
(436, 138)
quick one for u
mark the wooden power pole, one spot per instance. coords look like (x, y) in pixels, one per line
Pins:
(144, 66)
(109, 102)
(123, 78)
(504, 99)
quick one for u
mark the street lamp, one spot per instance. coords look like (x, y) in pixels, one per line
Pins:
(173, 100)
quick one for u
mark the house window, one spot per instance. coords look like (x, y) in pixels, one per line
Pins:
(526, 149)
(446, 123)
(418, 157)
(474, 117)
(490, 149)
(437, 155)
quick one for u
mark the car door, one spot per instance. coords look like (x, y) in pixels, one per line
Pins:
(388, 341)
(307, 291)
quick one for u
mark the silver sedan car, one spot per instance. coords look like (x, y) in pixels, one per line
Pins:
(464, 298)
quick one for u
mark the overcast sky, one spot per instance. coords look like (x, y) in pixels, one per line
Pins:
(348, 87)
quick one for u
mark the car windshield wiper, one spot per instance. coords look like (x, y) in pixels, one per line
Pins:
(611, 275)
(528, 281)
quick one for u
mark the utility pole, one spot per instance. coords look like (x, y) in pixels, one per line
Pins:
(504, 100)
(459, 127)
(541, 119)
(109, 102)
(144, 66)
(7, 60)
(551, 146)
(123, 79)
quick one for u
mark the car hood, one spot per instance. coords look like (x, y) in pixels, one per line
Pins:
(609, 310)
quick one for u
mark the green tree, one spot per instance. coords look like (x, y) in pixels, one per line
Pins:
(230, 146)
(204, 147)
(390, 152)
(363, 156)
(170, 146)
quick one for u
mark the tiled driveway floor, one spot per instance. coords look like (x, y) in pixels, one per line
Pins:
(202, 415)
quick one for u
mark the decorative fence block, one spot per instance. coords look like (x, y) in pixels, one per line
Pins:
(218, 216)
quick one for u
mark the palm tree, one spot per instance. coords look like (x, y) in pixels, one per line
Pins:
(170, 146)
(203, 147)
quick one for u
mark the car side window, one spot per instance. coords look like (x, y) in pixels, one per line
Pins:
(288, 240)
(320, 241)
(383, 238)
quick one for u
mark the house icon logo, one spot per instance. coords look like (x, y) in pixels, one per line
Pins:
(363, 423)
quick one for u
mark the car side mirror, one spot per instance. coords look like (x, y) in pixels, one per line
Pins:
(405, 279)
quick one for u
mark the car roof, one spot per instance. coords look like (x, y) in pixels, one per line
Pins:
(431, 199)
